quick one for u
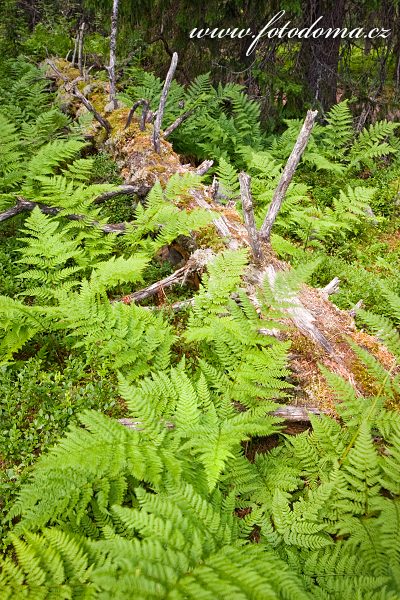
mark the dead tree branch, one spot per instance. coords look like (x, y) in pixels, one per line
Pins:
(140, 189)
(113, 49)
(75, 92)
(332, 287)
(102, 120)
(221, 224)
(299, 314)
(178, 122)
(146, 107)
(163, 99)
(196, 263)
(204, 167)
(353, 311)
(80, 46)
(76, 42)
(287, 175)
(248, 213)
(27, 205)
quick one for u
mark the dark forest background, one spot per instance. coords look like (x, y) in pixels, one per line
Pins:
(287, 76)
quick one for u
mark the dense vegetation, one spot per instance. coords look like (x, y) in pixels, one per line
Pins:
(141, 455)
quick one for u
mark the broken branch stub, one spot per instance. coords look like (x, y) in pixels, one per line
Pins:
(287, 174)
(143, 119)
(163, 99)
(248, 214)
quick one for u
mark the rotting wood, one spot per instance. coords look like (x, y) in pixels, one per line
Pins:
(128, 190)
(301, 316)
(331, 349)
(332, 287)
(248, 213)
(163, 99)
(353, 311)
(220, 223)
(204, 167)
(287, 174)
(290, 413)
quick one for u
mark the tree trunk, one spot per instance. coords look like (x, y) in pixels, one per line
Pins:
(319, 57)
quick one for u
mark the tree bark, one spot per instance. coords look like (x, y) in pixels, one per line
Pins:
(287, 175)
(248, 214)
(80, 47)
(113, 50)
(163, 99)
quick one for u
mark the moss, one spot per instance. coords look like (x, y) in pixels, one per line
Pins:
(207, 237)
(66, 68)
(365, 382)
(304, 347)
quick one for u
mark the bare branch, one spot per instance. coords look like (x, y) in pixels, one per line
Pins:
(113, 49)
(102, 120)
(140, 189)
(75, 49)
(80, 46)
(220, 223)
(353, 311)
(12, 212)
(27, 205)
(174, 278)
(163, 99)
(178, 122)
(75, 92)
(287, 175)
(146, 107)
(197, 262)
(248, 213)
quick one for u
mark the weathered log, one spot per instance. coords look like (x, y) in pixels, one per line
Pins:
(290, 413)
(287, 174)
(220, 223)
(248, 213)
(163, 99)
(301, 317)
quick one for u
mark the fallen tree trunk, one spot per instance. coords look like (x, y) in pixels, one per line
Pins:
(317, 329)
(289, 414)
